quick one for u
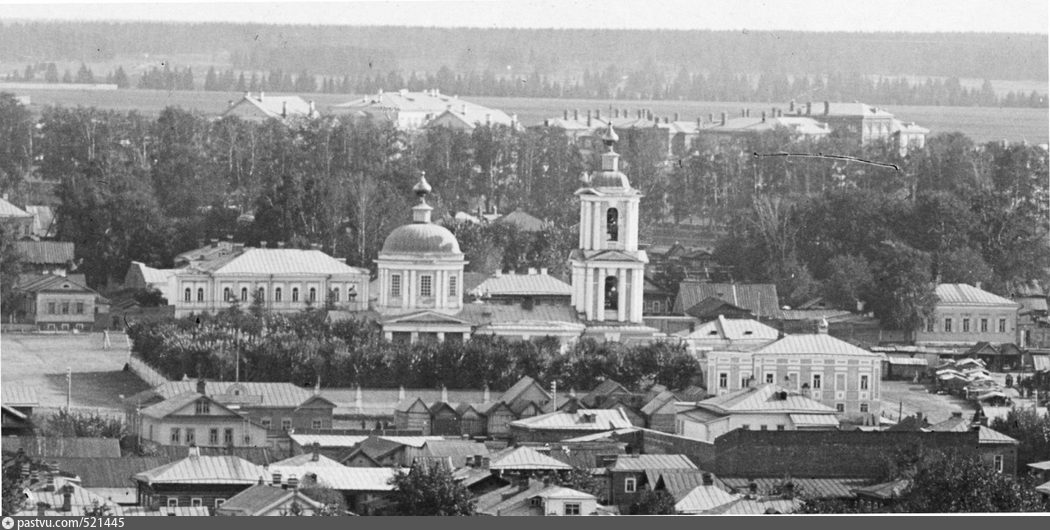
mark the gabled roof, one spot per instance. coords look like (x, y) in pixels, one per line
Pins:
(704, 499)
(763, 398)
(285, 261)
(558, 492)
(426, 316)
(759, 298)
(522, 284)
(307, 459)
(523, 221)
(815, 344)
(39, 283)
(714, 306)
(261, 498)
(205, 470)
(9, 210)
(276, 395)
(45, 252)
(276, 106)
(658, 402)
(606, 388)
(581, 420)
(732, 329)
(342, 478)
(519, 388)
(108, 472)
(429, 101)
(525, 458)
(170, 406)
(457, 449)
(637, 462)
(963, 294)
(151, 275)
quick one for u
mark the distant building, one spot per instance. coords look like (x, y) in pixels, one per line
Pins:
(46, 257)
(763, 407)
(965, 315)
(16, 222)
(196, 481)
(57, 303)
(18, 402)
(536, 287)
(224, 274)
(416, 110)
(269, 500)
(760, 299)
(865, 123)
(797, 126)
(726, 334)
(263, 107)
(195, 419)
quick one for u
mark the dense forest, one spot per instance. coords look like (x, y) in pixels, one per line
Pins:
(912, 69)
(134, 188)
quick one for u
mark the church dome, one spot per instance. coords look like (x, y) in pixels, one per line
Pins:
(610, 179)
(421, 238)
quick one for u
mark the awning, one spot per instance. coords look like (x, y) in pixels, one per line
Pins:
(1045, 488)
(814, 420)
(907, 361)
(1041, 362)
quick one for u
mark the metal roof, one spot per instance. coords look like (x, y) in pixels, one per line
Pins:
(205, 470)
(276, 106)
(431, 102)
(814, 344)
(1041, 363)
(581, 420)
(411, 441)
(45, 252)
(759, 298)
(763, 398)
(285, 261)
(151, 275)
(261, 497)
(1043, 466)
(307, 459)
(963, 294)
(108, 472)
(341, 478)
(523, 221)
(9, 210)
(558, 492)
(732, 329)
(526, 458)
(658, 402)
(18, 395)
(814, 420)
(703, 499)
(759, 506)
(33, 283)
(276, 395)
(906, 361)
(548, 315)
(175, 404)
(818, 488)
(649, 462)
(40, 447)
(523, 284)
(421, 238)
(987, 435)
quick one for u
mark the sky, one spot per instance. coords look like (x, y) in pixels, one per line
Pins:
(1009, 16)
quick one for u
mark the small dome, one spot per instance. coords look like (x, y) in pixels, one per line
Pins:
(421, 238)
(610, 179)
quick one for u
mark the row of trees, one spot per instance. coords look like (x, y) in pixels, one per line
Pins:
(48, 73)
(305, 347)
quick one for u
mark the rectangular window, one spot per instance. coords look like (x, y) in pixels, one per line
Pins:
(50, 308)
(947, 325)
(864, 382)
(763, 427)
(247, 440)
(176, 437)
(395, 285)
(425, 285)
(966, 325)
(630, 485)
(203, 407)
(929, 326)
(998, 463)
(65, 308)
(863, 407)
(219, 502)
(769, 377)
(266, 423)
(315, 424)
(452, 287)
(196, 502)
(572, 508)
(173, 502)
(780, 427)
(286, 424)
(191, 436)
(840, 407)
(1002, 325)
(80, 308)
(984, 325)
(723, 380)
(816, 381)
(227, 436)
(745, 427)
(213, 437)
(744, 377)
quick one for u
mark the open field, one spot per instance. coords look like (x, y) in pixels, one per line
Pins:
(915, 398)
(40, 361)
(983, 124)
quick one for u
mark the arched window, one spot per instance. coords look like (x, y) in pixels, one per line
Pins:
(200, 295)
(277, 294)
(226, 296)
(612, 224)
(335, 294)
(244, 294)
(351, 293)
(261, 294)
(295, 294)
(611, 294)
(313, 295)
(188, 295)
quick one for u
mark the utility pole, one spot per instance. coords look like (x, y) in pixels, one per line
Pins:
(69, 386)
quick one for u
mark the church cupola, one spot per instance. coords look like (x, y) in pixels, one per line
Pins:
(421, 212)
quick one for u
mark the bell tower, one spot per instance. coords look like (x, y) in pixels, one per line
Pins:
(608, 270)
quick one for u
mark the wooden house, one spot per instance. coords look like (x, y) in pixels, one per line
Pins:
(444, 420)
(412, 415)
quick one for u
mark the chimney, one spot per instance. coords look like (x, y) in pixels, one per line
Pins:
(723, 119)
(41, 509)
(214, 243)
(752, 488)
(284, 109)
(280, 244)
(791, 106)
(67, 498)
(276, 478)
(400, 393)
(194, 451)
(676, 116)
(532, 271)
(485, 398)
(316, 450)
(488, 118)
(49, 482)
(359, 399)
(262, 95)
(957, 414)
(789, 490)
(809, 108)
(444, 394)
(666, 120)
(543, 271)
(827, 108)
(229, 103)
(710, 117)
(763, 116)
(588, 118)
(822, 326)
(649, 114)
(484, 462)
(743, 113)
(598, 114)
(293, 482)
(201, 384)
(565, 114)
(576, 115)
(708, 479)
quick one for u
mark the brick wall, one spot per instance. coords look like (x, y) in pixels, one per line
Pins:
(823, 454)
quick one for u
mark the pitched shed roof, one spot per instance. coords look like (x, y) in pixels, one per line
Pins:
(108, 472)
(759, 298)
(41, 447)
(526, 458)
(45, 252)
(581, 420)
(658, 402)
(522, 284)
(637, 462)
(815, 344)
(816, 488)
(205, 470)
(964, 294)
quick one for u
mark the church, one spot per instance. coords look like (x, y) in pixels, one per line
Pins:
(421, 275)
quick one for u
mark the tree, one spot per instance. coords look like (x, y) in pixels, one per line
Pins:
(11, 265)
(963, 265)
(84, 75)
(1029, 428)
(903, 297)
(658, 502)
(16, 141)
(956, 483)
(580, 480)
(850, 281)
(14, 484)
(430, 490)
(120, 78)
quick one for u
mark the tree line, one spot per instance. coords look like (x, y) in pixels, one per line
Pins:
(305, 347)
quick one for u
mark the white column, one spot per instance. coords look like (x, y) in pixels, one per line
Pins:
(576, 291)
(597, 225)
(621, 295)
(382, 287)
(583, 224)
(600, 296)
(410, 286)
(637, 293)
(441, 295)
(630, 226)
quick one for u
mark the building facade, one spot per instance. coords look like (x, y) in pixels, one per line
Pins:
(965, 315)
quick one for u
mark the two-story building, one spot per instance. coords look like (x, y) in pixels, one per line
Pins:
(56, 303)
(828, 370)
(411, 111)
(965, 315)
(195, 419)
(197, 481)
